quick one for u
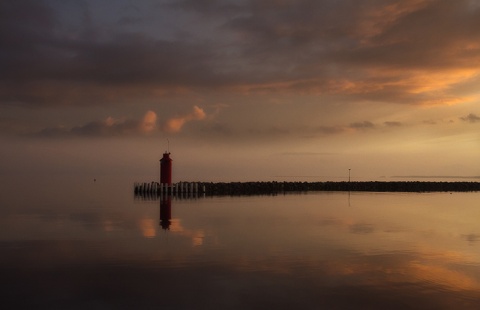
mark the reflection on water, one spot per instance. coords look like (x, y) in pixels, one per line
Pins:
(99, 247)
(165, 212)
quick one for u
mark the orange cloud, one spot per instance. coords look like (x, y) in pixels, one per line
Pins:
(176, 124)
(148, 123)
(383, 17)
(422, 82)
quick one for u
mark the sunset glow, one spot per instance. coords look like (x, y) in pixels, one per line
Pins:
(392, 82)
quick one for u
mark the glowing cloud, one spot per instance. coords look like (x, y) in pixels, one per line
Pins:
(176, 124)
(471, 118)
(148, 123)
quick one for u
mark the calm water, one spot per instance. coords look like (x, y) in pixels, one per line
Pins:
(93, 245)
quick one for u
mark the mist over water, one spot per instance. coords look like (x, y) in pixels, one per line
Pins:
(78, 243)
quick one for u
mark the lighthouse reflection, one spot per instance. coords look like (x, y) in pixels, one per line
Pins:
(165, 212)
(165, 196)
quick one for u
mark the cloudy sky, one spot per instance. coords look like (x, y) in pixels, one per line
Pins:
(240, 90)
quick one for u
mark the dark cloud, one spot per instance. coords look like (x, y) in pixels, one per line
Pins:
(413, 51)
(208, 7)
(107, 127)
(91, 129)
(393, 51)
(41, 64)
(392, 124)
(127, 64)
(471, 238)
(471, 118)
(421, 34)
(362, 125)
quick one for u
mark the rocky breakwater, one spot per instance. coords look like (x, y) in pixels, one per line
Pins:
(255, 188)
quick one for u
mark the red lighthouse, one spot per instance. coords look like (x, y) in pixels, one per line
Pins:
(166, 169)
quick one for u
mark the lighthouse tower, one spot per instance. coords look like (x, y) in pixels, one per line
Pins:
(166, 169)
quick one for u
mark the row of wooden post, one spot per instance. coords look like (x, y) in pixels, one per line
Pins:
(167, 189)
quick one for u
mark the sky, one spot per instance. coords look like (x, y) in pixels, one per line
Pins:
(240, 90)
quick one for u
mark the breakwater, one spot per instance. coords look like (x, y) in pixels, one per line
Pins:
(255, 188)
(155, 190)
(245, 188)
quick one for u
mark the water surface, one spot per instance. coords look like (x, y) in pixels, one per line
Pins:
(94, 245)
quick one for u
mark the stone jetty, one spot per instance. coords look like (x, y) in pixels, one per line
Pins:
(274, 187)
(246, 188)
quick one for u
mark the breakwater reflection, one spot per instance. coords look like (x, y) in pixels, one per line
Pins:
(165, 204)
